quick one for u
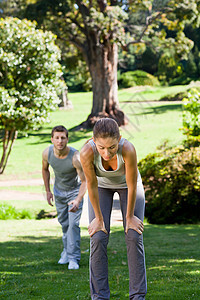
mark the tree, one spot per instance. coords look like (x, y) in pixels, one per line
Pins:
(98, 28)
(29, 79)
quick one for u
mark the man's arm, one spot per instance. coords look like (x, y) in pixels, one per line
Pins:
(46, 176)
(77, 165)
(129, 155)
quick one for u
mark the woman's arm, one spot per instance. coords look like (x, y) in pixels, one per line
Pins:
(130, 158)
(87, 159)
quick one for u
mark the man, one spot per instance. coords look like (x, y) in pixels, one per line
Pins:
(68, 192)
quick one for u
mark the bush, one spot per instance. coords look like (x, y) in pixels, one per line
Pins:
(9, 212)
(133, 78)
(180, 80)
(191, 113)
(126, 80)
(174, 97)
(178, 96)
(168, 68)
(172, 185)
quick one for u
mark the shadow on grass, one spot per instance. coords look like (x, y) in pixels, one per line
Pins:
(163, 109)
(148, 108)
(28, 266)
(75, 136)
(44, 138)
(29, 269)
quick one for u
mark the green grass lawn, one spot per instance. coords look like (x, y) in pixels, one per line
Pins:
(150, 124)
(30, 249)
(29, 188)
(149, 93)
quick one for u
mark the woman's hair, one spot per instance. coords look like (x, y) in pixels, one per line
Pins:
(106, 127)
(59, 128)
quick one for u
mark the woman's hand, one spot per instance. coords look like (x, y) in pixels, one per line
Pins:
(95, 226)
(134, 223)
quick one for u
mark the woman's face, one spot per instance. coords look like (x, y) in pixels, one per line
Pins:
(107, 147)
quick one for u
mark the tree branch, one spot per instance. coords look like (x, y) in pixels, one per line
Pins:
(149, 21)
(102, 5)
(74, 40)
(83, 9)
(73, 20)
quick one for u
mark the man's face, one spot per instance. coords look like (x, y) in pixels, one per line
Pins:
(59, 140)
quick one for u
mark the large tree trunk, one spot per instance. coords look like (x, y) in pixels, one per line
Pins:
(102, 62)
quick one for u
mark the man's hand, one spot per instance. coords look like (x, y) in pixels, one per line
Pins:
(75, 205)
(134, 223)
(50, 198)
(96, 226)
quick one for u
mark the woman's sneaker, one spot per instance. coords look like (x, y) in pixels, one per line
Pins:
(73, 265)
(63, 259)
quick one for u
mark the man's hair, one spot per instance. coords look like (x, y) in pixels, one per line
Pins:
(59, 128)
(106, 127)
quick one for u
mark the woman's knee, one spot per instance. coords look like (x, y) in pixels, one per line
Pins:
(100, 237)
(133, 236)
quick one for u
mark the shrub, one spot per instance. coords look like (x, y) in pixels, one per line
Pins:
(9, 212)
(180, 80)
(172, 186)
(191, 113)
(126, 80)
(168, 68)
(178, 96)
(174, 97)
(138, 77)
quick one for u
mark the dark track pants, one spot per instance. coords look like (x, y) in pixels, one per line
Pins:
(135, 250)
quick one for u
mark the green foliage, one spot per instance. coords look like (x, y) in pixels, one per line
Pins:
(191, 113)
(149, 22)
(29, 74)
(174, 97)
(191, 67)
(149, 60)
(78, 78)
(171, 180)
(180, 80)
(126, 80)
(168, 68)
(138, 77)
(9, 212)
(108, 24)
(180, 95)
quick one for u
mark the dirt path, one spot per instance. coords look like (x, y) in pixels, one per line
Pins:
(6, 195)
(21, 182)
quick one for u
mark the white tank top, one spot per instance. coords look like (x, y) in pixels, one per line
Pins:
(111, 179)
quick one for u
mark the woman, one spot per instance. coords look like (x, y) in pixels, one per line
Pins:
(110, 165)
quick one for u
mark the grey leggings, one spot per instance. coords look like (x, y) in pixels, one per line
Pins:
(135, 250)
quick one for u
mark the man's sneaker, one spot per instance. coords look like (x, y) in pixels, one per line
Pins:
(63, 259)
(73, 265)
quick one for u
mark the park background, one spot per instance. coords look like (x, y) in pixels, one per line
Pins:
(155, 72)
